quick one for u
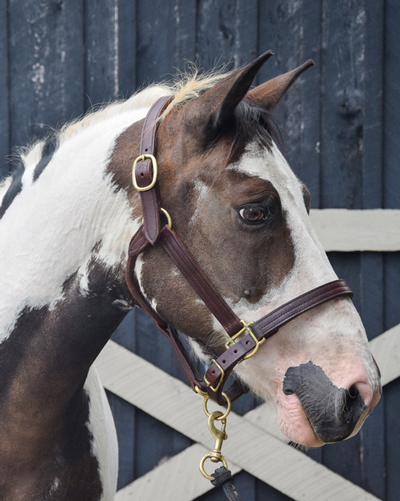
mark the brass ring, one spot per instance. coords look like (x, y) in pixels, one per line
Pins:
(169, 220)
(203, 460)
(223, 416)
(198, 390)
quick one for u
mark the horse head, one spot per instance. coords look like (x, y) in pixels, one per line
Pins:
(243, 215)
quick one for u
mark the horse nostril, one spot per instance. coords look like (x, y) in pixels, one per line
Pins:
(332, 412)
(353, 391)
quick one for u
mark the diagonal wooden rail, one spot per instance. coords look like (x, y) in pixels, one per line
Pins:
(250, 447)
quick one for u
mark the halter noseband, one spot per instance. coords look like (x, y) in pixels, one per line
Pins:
(243, 339)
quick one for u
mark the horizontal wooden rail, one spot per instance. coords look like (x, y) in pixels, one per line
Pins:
(357, 230)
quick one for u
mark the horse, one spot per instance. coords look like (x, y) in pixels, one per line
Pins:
(68, 213)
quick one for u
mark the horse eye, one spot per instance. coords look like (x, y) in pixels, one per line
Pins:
(253, 214)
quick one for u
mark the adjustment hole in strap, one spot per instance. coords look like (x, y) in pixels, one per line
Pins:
(223, 361)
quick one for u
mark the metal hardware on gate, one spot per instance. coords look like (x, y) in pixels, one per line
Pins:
(219, 436)
(142, 158)
(246, 327)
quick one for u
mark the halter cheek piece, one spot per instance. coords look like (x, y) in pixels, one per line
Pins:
(243, 339)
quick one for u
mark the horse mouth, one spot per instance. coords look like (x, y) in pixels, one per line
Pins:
(332, 414)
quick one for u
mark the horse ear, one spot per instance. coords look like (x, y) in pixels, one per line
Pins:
(217, 105)
(268, 94)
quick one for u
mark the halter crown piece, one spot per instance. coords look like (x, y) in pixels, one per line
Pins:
(243, 338)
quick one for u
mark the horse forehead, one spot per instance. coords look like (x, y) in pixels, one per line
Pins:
(270, 165)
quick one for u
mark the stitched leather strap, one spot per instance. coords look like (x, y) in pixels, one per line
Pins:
(144, 171)
(200, 283)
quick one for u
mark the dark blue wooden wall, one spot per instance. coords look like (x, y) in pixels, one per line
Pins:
(341, 131)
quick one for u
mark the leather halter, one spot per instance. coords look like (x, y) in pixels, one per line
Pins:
(243, 339)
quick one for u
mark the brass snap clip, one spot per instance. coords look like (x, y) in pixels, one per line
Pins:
(219, 436)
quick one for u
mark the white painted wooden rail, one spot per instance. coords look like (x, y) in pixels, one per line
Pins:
(344, 230)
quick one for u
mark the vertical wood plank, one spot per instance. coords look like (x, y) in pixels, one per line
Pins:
(342, 102)
(127, 40)
(4, 95)
(392, 440)
(127, 34)
(166, 36)
(292, 31)
(45, 66)
(342, 120)
(391, 181)
(307, 163)
(101, 54)
(372, 266)
(226, 33)
(391, 105)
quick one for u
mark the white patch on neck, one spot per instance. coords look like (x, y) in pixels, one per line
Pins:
(4, 185)
(54, 486)
(30, 160)
(198, 352)
(138, 273)
(101, 425)
(51, 228)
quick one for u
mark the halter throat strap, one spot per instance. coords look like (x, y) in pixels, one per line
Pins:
(243, 339)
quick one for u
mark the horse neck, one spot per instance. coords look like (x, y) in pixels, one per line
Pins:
(67, 234)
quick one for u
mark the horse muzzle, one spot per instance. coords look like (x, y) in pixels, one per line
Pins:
(333, 413)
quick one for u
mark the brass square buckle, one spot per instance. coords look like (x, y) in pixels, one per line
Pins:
(142, 158)
(246, 327)
(220, 379)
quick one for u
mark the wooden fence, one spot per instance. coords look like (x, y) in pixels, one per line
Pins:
(340, 125)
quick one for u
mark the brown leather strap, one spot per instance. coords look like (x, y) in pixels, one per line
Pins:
(183, 357)
(144, 171)
(138, 244)
(200, 283)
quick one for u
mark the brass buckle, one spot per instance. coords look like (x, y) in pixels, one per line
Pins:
(246, 327)
(142, 158)
(220, 380)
